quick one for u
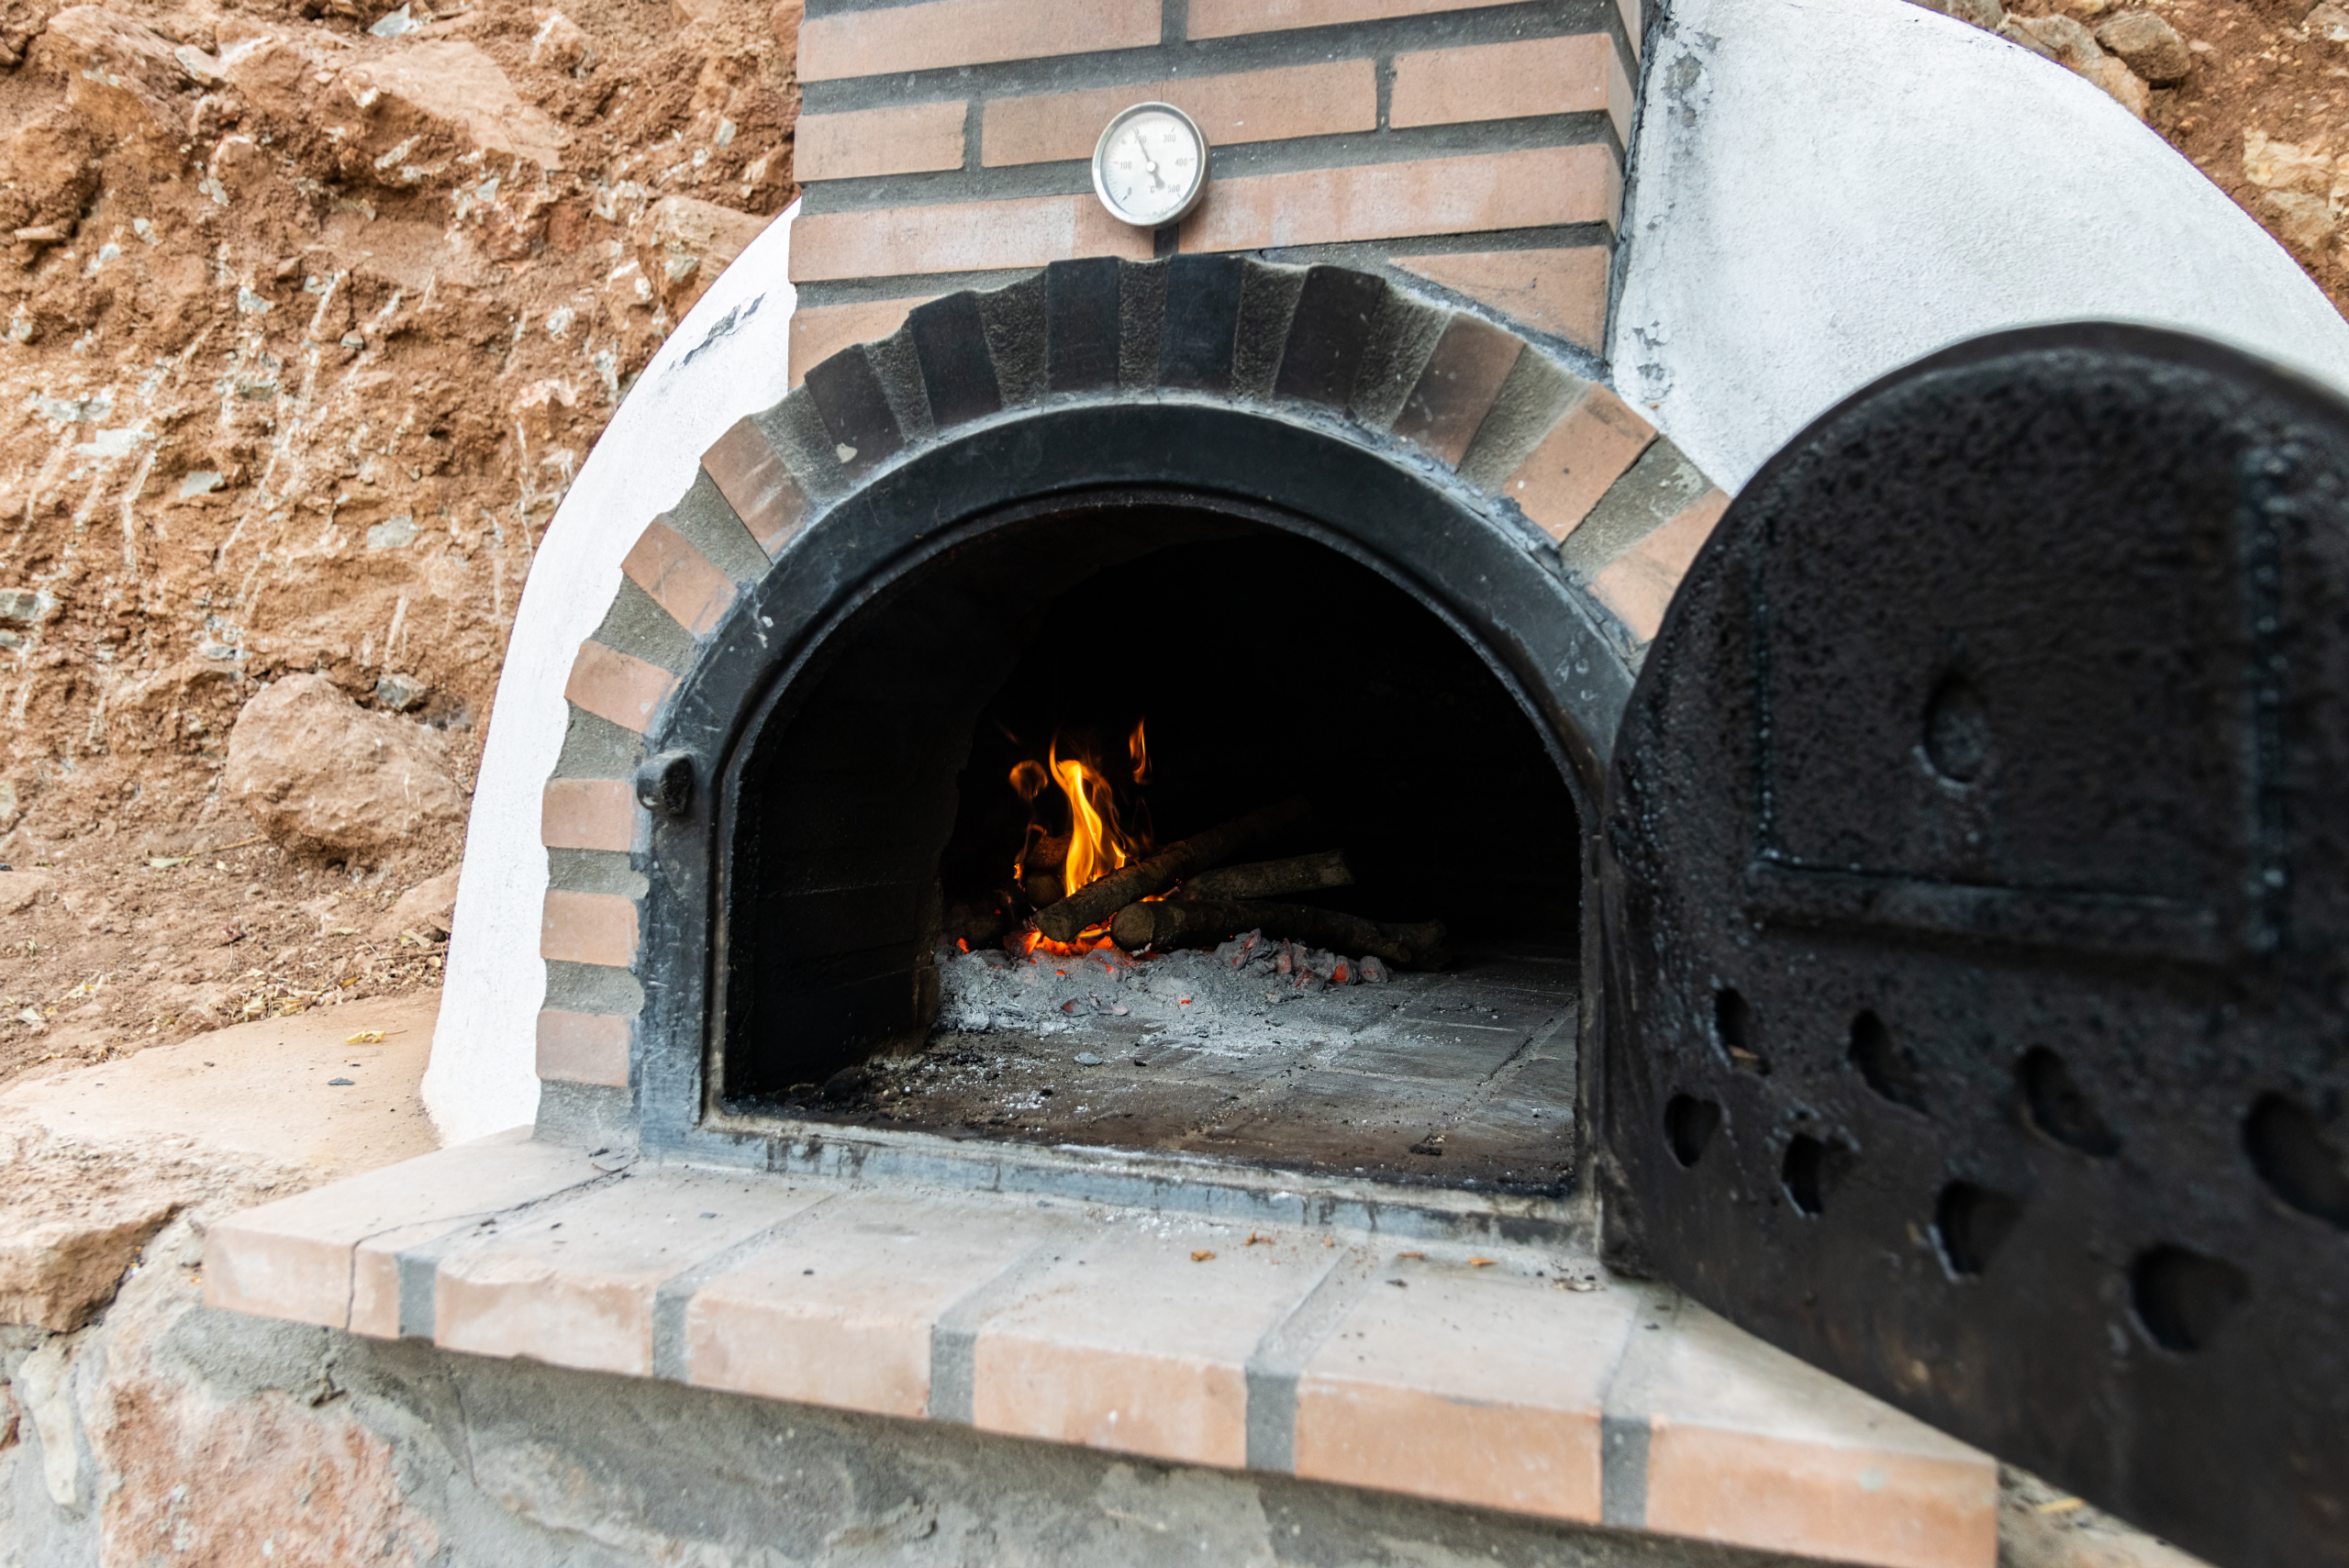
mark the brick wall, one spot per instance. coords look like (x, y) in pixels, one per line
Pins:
(1475, 148)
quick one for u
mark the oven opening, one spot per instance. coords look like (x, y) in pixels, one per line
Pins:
(946, 888)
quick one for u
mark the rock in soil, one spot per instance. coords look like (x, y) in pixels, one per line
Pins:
(317, 772)
(425, 911)
(2148, 46)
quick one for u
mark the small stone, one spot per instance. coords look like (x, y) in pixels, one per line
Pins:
(2014, 32)
(392, 533)
(691, 241)
(399, 693)
(339, 1082)
(2148, 46)
(24, 605)
(391, 24)
(2328, 22)
(2285, 166)
(1086, 1059)
(2065, 41)
(2060, 38)
(2302, 221)
(1987, 14)
(427, 910)
(56, 1272)
(2122, 85)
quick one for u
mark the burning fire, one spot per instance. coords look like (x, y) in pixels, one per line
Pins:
(1101, 839)
(1097, 844)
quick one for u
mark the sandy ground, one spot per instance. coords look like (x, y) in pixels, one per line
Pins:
(113, 946)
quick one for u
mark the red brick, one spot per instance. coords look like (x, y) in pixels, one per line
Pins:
(841, 1312)
(1391, 201)
(574, 1285)
(582, 1048)
(911, 139)
(1749, 1446)
(587, 814)
(1457, 388)
(1590, 447)
(588, 928)
(960, 237)
(1561, 292)
(1501, 80)
(679, 578)
(1224, 18)
(968, 32)
(744, 466)
(1138, 1347)
(1435, 1392)
(1254, 106)
(1638, 585)
(296, 1258)
(818, 333)
(618, 687)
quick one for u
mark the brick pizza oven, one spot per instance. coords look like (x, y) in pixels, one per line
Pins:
(1360, 371)
(1328, 486)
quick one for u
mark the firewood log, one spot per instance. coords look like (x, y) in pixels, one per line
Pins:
(1269, 879)
(1039, 867)
(1099, 900)
(1183, 922)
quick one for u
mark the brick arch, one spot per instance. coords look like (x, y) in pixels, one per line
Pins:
(1528, 504)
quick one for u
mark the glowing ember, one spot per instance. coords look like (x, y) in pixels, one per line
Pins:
(1028, 940)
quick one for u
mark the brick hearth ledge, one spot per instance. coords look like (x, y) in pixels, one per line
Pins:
(1515, 1378)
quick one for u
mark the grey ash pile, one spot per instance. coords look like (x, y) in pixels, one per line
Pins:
(1185, 993)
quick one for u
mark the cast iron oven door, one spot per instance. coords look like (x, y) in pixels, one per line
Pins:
(1977, 924)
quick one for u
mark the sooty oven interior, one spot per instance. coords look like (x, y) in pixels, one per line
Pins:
(1073, 691)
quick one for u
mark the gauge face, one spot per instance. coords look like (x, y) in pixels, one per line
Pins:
(1151, 165)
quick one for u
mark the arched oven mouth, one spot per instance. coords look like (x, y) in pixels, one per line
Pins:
(1381, 977)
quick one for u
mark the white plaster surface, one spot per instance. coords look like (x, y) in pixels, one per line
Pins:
(726, 359)
(1826, 190)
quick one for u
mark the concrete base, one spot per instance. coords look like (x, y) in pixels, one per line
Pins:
(262, 1088)
(222, 1434)
(237, 1439)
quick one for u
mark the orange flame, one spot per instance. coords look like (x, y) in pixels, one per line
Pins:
(1098, 841)
(1098, 845)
